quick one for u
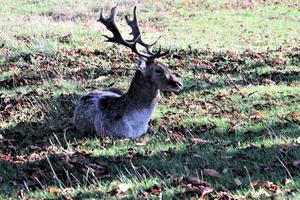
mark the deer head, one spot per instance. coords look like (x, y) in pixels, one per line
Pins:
(153, 71)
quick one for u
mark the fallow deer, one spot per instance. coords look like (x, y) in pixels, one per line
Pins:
(111, 112)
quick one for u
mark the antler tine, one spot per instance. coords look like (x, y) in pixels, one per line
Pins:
(135, 31)
(110, 24)
(158, 54)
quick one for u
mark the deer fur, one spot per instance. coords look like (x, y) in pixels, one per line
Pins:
(111, 112)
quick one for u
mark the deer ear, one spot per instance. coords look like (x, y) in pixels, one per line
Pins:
(141, 62)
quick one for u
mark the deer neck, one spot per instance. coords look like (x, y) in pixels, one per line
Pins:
(142, 93)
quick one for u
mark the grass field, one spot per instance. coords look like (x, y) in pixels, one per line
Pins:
(232, 133)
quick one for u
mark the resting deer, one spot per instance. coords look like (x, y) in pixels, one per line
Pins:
(111, 112)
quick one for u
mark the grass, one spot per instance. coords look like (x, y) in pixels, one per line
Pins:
(239, 63)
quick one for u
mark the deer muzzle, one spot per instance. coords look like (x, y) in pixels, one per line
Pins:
(176, 85)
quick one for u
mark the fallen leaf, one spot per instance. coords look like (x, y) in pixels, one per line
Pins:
(237, 182)
(255, 183)
(154, 190)
(206, 190)
(293, 115)
(295, 83)
(143, 142)
(211, 172)
(255, 114)
(200, 189)
(198, 141)
(271, 186)
(11, 66)
(17, 78)
(195, 185)
(268, 81)
(232, 54)
(21, 195)
(222, 94)
(176, 136)
(278, 61)
(53, 190)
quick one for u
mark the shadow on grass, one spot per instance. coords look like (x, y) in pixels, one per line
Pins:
(272, 163)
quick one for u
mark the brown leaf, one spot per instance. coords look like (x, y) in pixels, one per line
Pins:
(21, 195)
(232, 54)
(176, 136)
(200, 189)
(222, 94)
(198, 141)
(17, 78)
(53, 190)
(255, 183)
(293, 115)
(278, 61)
(268, 81)
(154, 190)
(195, 185)
(143, 142)
(11, 66)
(206, 190)
(255, 114)
(295, 83)
(271, 186)
(211, 172)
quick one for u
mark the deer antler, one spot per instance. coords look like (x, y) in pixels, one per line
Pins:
(110, 24)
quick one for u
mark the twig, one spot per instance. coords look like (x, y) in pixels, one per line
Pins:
(249, 177)
(55, 176)
(286, 169)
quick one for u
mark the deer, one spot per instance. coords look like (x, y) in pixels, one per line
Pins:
(114, 113)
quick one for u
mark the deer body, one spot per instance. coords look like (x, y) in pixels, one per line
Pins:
(113, 113)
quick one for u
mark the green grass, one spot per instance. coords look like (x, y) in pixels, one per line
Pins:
(237, 59)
